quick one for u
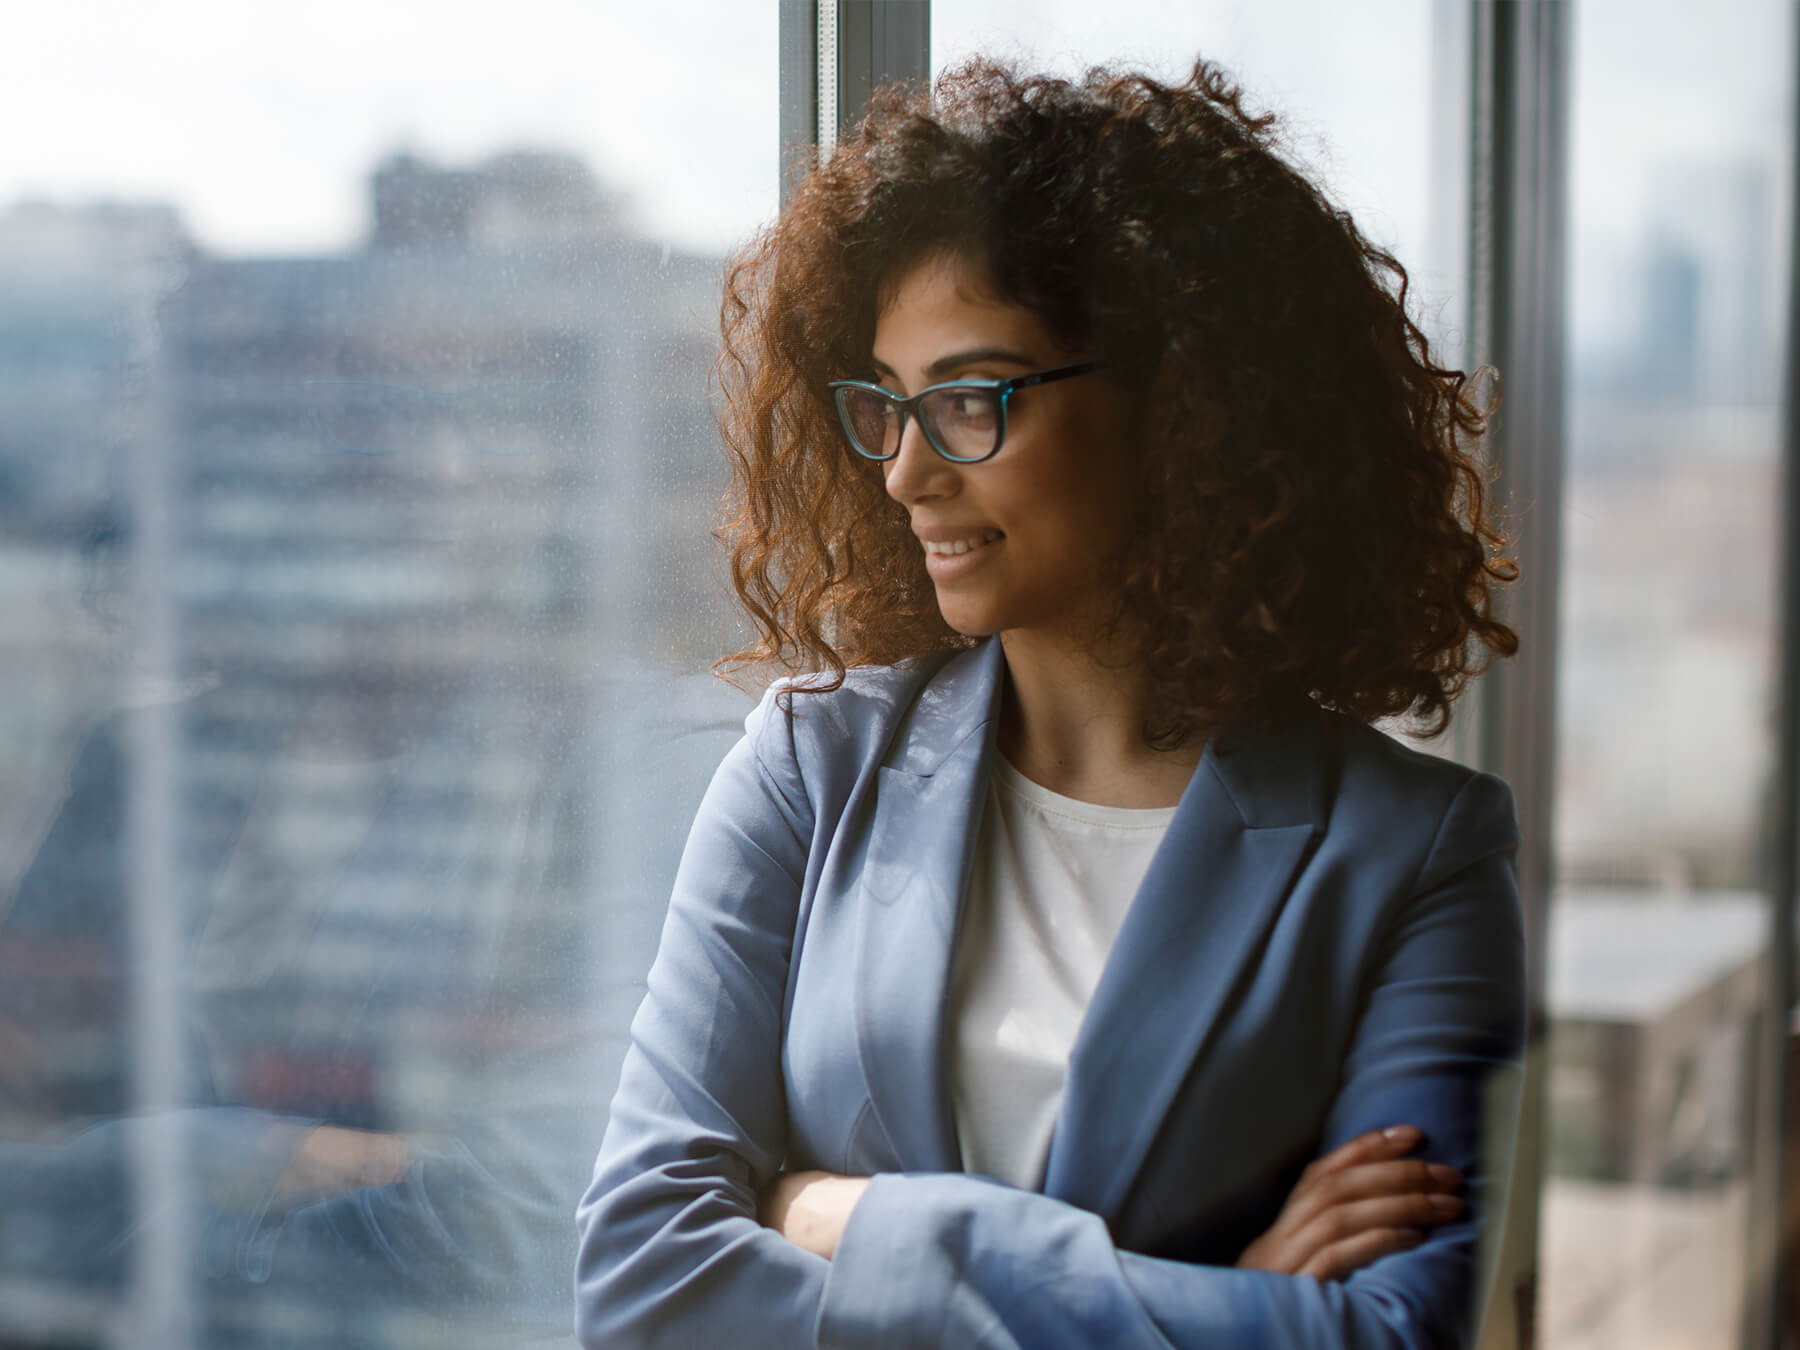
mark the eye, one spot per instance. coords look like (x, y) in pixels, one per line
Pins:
(966, 405)
(871, 417)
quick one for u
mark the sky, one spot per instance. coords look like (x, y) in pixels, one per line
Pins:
(1344, 84)
(1674, 104)
(260, 123)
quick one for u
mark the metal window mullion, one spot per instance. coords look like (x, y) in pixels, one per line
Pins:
(163, 1197)
(1774, 1222)
(798, 80)
(834, 53)
(829, 77)
(1519, 137)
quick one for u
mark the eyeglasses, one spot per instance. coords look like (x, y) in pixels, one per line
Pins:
(965, 420)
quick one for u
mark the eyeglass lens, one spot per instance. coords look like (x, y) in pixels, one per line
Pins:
(963, 423)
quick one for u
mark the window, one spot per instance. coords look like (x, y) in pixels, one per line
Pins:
(356, 467)
(357, 603)
(1679, 258)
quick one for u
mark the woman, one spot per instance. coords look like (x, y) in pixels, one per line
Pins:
(1065, 962)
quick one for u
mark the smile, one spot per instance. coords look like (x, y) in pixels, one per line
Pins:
(950, 547)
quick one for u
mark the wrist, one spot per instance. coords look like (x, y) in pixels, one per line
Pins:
(811, 1209)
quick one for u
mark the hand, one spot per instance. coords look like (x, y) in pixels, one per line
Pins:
(332, 1160)
(810, 1209)
(1359, 1202)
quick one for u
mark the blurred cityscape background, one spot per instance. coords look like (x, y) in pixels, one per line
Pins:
(357, 600)
(374, 590)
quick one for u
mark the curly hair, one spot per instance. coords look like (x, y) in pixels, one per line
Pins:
(1310, 518)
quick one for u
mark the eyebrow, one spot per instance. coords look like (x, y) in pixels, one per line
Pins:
(941, 367)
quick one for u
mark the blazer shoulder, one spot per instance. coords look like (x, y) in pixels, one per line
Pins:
(818, 731)
(1416, 784)
(1375, 754)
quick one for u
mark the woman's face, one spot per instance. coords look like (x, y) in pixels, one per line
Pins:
(1040, 518)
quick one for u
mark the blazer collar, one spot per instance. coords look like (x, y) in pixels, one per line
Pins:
(1278, 776)
(1213, 890)
(1273, 777)
(955, 702)
(1198, 926)
(930, 792)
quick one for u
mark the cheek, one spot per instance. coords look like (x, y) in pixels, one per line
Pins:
(1090, 507)
(1105, 492)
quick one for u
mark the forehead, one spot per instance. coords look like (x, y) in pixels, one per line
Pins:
(947, 303)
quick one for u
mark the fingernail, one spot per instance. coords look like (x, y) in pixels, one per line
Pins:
(1443, 1174)
(1412, 1237)
(1400, 1132)
(1446, 1204)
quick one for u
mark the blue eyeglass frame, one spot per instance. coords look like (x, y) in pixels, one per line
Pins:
(909, 407)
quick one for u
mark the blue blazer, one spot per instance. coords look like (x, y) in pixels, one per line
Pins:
(1328, 941)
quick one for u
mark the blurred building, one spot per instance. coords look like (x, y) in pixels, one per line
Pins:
(78, 289)
(406, 479)
(1670, 462)
(431, 753)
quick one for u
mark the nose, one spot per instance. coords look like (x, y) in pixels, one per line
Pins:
(918, 473)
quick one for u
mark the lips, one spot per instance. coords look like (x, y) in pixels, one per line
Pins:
(953, 555)
(950, 547)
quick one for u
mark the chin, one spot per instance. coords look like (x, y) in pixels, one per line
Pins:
(973, 630)
(969, 622)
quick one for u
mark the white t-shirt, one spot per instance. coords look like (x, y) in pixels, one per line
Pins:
(1051, 881)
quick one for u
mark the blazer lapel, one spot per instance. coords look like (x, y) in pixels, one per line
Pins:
(928, 804)
(1198, 923)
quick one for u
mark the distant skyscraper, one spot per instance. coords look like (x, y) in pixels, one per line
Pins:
(437, 524)
(415, 494)
(1670, 362)
(1717, 218)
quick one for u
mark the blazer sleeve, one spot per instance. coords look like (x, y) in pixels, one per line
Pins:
(671, 1253)
(959, 1261)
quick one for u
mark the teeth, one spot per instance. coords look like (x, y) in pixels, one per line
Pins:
(955, 546)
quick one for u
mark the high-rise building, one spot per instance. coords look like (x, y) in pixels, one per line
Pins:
(432, 728)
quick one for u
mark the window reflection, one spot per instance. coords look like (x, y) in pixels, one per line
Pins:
(434, 718)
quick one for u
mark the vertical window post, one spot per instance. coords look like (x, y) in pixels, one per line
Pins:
(834, 54)
(1519, 124)
(162, 1306)
(1774, 1210)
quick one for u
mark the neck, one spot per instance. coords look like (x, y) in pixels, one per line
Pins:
(1073, 721)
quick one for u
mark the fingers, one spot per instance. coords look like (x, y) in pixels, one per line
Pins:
(1363, 1200)
(1343, 1259)
(1343, 1222)
(1368, 1180)
(1341, 1237)
(1372, 1164)
(1394, 1142)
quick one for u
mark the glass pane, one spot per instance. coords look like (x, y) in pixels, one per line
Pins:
(1374, 98)
(1679, 256)
(1370, 95)
(356, 473)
